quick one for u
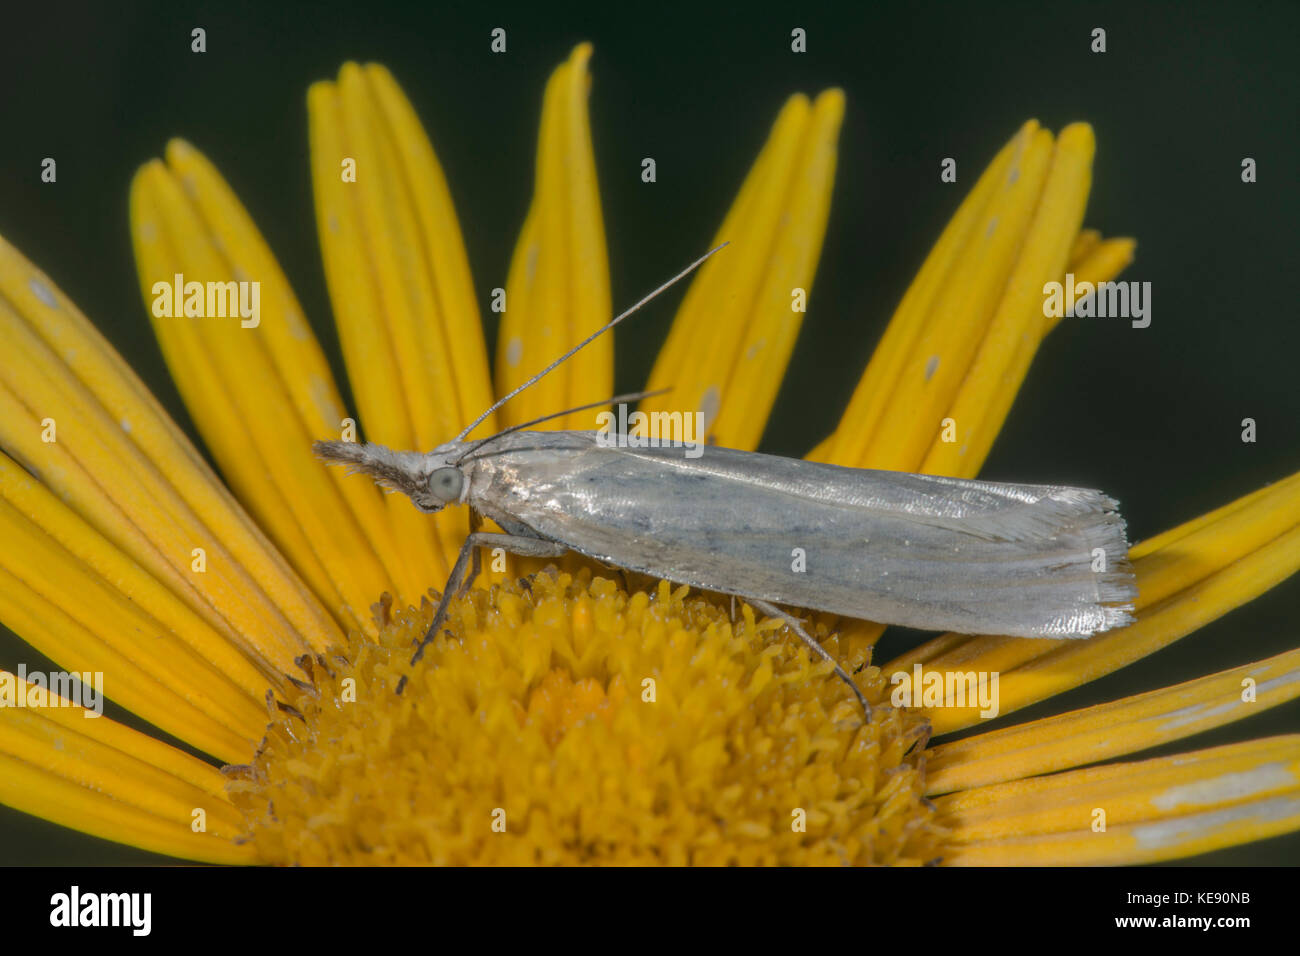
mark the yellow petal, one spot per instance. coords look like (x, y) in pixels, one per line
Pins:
(229, 383)
(145, 668)
(1097, 262)
(1186, 578)
(1084, 243)
(984, 299)
(963, 337)
(731, 341)
(124, 467)
(1153, 810)
(229, 653)
(299, 365)
(102, 778)
(401, 289)
(985, 386)
(447, 307)
(853, 443)
(1120, 727)
(1092, 259)
(557, 291)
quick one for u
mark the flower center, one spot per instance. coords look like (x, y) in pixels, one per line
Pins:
(576, 723)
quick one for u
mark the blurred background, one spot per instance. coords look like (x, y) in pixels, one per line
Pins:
(1152, 416)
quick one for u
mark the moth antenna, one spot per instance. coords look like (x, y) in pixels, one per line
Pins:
(589, 339)
(628, 397)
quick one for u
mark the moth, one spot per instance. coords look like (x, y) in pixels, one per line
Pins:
(928, 552)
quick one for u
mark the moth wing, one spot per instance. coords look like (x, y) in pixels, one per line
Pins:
(916, 550)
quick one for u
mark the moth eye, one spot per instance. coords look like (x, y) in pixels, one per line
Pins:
(447, 483)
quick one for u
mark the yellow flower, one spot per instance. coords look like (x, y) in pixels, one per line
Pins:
(578, 716)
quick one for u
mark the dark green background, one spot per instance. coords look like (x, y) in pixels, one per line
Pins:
(1183, 93)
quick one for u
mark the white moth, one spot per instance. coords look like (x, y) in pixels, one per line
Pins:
(935, 553)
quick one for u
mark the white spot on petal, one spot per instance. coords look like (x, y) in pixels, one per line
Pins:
(1277, 683)
(931, 365)
(322, 397)
(297, 327)
(1168, 833)
(993, 224)
(710, 403)
(126, 425)
(514, 351)
(1228, 787)
(1196, 713)
(42, 292)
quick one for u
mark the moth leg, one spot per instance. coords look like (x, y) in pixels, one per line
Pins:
(792, 622)
(475, 522)
(458, 581)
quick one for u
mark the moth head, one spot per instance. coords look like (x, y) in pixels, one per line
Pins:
(427, 480)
